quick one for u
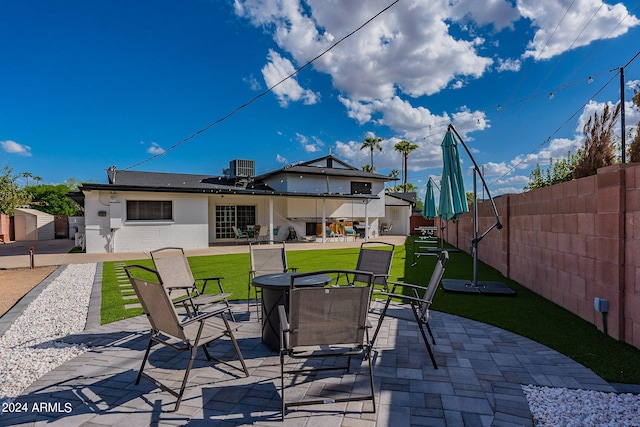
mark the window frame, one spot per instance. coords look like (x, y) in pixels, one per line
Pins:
(144, 211)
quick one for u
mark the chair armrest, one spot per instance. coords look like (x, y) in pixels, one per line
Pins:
(292, 269)
(406, 285)
(204, 316)
(284, 328)
(206, 280)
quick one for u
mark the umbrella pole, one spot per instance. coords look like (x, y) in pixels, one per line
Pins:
(474, 244)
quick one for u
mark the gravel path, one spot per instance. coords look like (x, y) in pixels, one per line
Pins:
(30, 347)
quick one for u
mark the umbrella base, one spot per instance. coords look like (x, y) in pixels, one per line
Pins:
(485, 288)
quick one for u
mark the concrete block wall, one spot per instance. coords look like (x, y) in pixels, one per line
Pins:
(570, 243)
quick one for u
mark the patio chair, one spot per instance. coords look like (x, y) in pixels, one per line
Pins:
(167, 329)
(419, 304)
(376, 258)
(263, 234)
(266, 258)
(239, 234)
(350, 232)
(174, 270)
(326, 322)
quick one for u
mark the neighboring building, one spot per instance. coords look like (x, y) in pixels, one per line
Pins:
(31, 224)
(142, 211)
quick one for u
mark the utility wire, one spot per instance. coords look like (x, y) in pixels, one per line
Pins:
(260, 95)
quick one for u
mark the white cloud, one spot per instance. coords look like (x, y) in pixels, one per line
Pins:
(508, 65)
(155, 149)
(312, 145)
(289, 90)
(13, 147)
(564, 25)
(392, 54)
(253, 83)
(498, 13)
(281, 159)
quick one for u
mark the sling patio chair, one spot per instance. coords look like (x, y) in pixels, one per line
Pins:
(419, 303)
(374, 257)
(267, 257)
(327, 323)
(169, 330)
(174, 271)
(240, 235)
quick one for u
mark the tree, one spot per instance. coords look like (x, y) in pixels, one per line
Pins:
(367, 168)
(372, 143)
(11, 196)
(634, 148)
(598, 150)
(405, 147)
(26, 175)
(53, 199)
(557, 172)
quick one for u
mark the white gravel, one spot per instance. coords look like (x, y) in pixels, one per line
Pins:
(582, 408)
(29, 348)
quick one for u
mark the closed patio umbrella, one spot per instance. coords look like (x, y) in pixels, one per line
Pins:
(453, 200)
(429, 209)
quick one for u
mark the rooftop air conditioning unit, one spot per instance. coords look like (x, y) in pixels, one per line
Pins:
(242, 168)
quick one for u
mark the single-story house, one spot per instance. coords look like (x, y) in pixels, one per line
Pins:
(142, 211)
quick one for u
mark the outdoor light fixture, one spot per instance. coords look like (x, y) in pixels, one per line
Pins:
(601, 305)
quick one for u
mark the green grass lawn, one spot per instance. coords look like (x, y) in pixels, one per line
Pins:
(526, 314)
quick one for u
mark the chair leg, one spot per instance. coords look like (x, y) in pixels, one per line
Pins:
(433, 340)
(284, 405)
(380, 320)
(192, 357)
(414, 307)
(235, 345)
(144, 360)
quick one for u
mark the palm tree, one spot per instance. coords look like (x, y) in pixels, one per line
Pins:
(37, 179)
(372, 142)
(395, 173)
(27, 175)
(405, 147)
(367, 168)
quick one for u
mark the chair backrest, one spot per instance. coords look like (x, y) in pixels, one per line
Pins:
(237, 231)
(173, 267)
(268, 258)
(375, 257)
(436, 277)
(155, 301)
(264, 232)
(328, 315)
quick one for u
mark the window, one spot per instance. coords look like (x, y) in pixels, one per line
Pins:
(229, 216)
(360, 187)
(145, 210)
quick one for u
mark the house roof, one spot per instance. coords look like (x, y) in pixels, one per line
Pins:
(126, 180)
(328, 165)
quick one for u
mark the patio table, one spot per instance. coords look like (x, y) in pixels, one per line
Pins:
(275, 292)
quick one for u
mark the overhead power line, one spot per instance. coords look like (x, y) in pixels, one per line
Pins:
(270, 89)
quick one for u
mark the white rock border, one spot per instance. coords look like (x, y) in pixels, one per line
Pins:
(30, 347)
(555, 406)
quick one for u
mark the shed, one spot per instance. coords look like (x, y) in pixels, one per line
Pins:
(31, 224)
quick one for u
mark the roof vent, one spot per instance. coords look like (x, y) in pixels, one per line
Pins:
(242, 168)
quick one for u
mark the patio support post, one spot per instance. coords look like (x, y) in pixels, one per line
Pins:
(271, 219)
(324, 221)
(366, 222)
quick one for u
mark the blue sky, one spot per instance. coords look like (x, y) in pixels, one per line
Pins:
(86, 85)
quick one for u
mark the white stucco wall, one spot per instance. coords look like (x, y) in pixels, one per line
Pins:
(189, 228)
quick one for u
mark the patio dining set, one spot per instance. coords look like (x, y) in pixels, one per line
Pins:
(315, 321)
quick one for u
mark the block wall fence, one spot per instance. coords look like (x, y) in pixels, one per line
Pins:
(570, 243)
